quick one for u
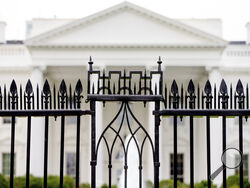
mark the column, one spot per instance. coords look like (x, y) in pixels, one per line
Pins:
(216, 129)
(37, 129)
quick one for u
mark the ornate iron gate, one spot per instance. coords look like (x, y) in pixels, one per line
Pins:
(125, 89)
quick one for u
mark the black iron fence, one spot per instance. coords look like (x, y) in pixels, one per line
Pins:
(208, 102)
(64, 101)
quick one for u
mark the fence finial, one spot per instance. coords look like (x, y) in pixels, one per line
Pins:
(90, 64)
(159, 63)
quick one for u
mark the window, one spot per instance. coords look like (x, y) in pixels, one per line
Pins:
(6, 164)
(71, 164)
(245, 166)
(180, 163)
(7, 120)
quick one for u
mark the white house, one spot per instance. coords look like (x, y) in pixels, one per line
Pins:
(123, 36)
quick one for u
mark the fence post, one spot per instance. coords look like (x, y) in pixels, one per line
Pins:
(156, 160)
(93, 144)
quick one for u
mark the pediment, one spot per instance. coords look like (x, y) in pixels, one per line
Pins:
(125, 25)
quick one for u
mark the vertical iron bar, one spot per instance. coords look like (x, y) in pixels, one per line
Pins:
(223, 149)
(46, 141)
(28, 152)
(157, 144)
(110, 171)
(208, 153)
(241, 149)
(175, 151)
(93, 143)
(191, 151)
(78, 151)
(62, 151)
(12, 152)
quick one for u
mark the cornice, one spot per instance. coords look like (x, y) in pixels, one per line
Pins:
(126, 46)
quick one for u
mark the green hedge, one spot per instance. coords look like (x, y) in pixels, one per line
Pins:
(234, 182)
(106, 186)
(37, 182)
(170, 184)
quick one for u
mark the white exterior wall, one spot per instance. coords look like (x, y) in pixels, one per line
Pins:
(112, 42)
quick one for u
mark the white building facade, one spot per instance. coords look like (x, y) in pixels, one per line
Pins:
(124, 36)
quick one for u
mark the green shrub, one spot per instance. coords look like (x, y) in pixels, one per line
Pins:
(4, 183)
(53, 181)
(68, 182)
(203, 184)
(20, 182)
(85, 185)
(170, 184)
(149, 184)
(37, 182)
(106, 186)
(234, 182)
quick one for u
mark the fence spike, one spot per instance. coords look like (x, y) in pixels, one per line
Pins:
(208, 88)
(182, 96)
(29, 93)
(78, 88)
(29, 88)
(21, 97)
(235, 98)
(9, 100)
(63, 88)
(186, 99)
(223, 87)
(239, 88)
(169, 99)
(37, 96)
(198, 97)
(174, 88)
(78, 92)
(54, 93)
(202, 100)
(5, 98)
(13, 88)
(47, 93)
(103, 81)
(215, 96)
(247, 96)
(166, 93)
(191, 87)
(70, 96)
(231, 96)
(46, 88)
